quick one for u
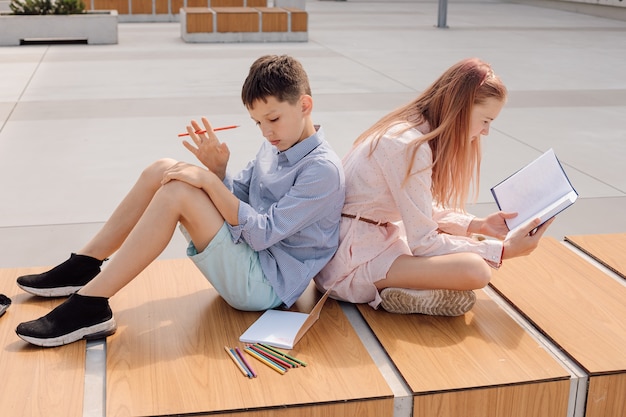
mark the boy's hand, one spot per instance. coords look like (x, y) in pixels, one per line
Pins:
(182, 171)
(208, 149)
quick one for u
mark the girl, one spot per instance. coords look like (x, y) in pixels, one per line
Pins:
(404, 237)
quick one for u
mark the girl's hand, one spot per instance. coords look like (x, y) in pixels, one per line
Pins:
(524, 240)
(208, 149)
(492, 225)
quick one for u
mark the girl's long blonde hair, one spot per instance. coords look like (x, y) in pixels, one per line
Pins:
(446, 107)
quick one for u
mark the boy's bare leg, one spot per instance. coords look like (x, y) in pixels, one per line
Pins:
(82, 266)
(174, 202)
(87, 314)
(127, 213)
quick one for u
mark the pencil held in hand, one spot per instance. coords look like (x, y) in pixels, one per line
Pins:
(199, 132)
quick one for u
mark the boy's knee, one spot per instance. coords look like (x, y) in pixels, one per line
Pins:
(178, 189)
(154, 172)
(181, 194)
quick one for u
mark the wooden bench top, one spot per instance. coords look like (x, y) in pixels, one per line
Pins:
(36, 381)
(580, 308)
(574, 303)
(168, 358)
(608, 249)
(457, 364)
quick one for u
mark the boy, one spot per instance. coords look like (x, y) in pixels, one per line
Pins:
(259, 238)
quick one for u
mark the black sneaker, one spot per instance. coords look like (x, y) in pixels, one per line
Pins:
(64, 279)
(5, 302)
(79, 317)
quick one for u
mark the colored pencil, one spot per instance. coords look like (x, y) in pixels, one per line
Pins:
(273, 349)
(199, 132)
(243, 365)
(279, 355)
(272, 357)
(245, 362)
(276, 356)
(268, 358)
(264, 361)
(234, 359)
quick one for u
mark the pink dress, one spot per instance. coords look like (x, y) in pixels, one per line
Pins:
(375, 191)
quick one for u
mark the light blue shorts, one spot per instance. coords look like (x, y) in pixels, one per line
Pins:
(234, 270)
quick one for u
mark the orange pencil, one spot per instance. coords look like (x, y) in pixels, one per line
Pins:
(199, 132)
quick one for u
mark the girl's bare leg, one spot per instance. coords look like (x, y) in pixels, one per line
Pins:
(127, 213)
(459, 271)
(174, 202)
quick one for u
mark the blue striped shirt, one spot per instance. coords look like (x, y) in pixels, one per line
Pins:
(290, 208)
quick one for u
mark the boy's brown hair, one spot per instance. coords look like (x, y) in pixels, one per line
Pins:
(279, 76)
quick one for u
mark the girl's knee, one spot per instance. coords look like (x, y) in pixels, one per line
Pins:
(479, 272)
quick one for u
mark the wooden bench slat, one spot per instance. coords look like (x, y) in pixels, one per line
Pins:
(227, 3)
(606, 396)
(141, 7)
(571, 301)
(199, 19)
(608, 249)
(581, 309)
(236, 19)
(541, 399)
(168, 357)
(273, 19)
(36, 381)
(465, 363)
(299, 19)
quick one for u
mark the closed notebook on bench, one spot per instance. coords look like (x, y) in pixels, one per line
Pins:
(282, 328)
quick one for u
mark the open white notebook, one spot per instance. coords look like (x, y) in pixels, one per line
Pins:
(540, 189)
(282, 328)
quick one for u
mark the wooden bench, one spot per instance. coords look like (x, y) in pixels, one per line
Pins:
(167, 357)
(608, 249)
(168, 10)
(243, 24)
(581, 309)
(480, 364)
(36, 381)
